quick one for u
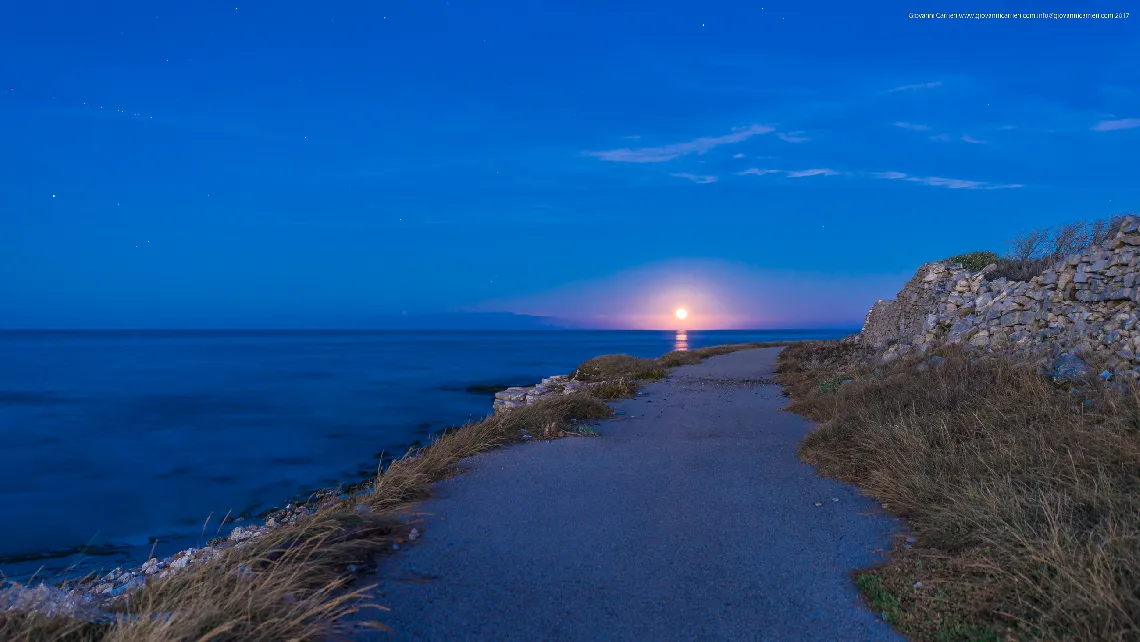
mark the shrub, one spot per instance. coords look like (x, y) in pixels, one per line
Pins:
(618, 366)
(1020, 270)
(975, 261)
(1031, 253)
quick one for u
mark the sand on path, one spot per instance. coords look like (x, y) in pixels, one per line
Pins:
(690, 518)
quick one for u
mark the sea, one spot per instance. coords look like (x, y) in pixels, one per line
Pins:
(118, 444)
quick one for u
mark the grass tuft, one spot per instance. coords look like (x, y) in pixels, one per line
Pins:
(882, 601)
(619, 366)
(615, 389)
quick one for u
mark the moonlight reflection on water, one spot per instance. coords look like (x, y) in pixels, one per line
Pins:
(681, 341)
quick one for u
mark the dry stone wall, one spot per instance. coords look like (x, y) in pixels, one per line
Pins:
(1085, 305)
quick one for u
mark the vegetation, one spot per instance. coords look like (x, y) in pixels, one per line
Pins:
(296, 581)
(1031, 253)
(975, 261)
(1024, 496)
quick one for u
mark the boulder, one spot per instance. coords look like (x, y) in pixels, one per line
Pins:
(1069, 368)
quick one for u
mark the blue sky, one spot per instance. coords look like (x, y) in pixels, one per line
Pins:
(295, 164)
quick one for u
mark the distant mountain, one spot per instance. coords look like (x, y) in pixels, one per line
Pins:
(470, 321)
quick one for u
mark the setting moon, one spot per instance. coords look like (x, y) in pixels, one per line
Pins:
(681, 313)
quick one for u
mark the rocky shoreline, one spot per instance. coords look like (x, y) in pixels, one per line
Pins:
(526, 395)
(90, 597)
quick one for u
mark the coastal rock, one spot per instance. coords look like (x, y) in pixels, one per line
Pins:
(525, 395)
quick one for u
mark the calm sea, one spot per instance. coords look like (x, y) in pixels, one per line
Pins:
(116, 440)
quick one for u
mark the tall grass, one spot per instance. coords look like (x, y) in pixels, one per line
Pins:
(1024, 496)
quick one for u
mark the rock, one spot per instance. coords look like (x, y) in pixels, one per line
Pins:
(1069, 368)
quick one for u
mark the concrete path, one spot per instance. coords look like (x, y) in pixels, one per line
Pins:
(691, 518)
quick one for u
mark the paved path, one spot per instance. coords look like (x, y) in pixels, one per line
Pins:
(690, 519)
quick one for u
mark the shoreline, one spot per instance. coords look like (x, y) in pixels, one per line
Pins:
(89, 596)
(98, 597)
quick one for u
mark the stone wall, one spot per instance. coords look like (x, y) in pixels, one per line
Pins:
(1084, 305)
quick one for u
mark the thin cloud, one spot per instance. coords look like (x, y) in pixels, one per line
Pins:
(702, 180)
(972, 140)
(912, 126)
(803, 173)
(1113, 125)
(925, 85)
(669, 152)
(792, 137)
(812, 172)
(738, 155)
(950, 183)
(942, 138)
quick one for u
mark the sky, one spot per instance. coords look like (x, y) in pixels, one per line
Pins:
(336, 165)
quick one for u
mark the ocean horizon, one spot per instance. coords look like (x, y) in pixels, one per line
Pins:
(118, 442)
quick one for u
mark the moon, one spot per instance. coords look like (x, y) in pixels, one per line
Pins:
(681, 313)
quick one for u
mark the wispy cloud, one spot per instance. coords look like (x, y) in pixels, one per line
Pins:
(970, 139)
(738, 155)
(942, 138)
(925, 85)
(812, 172)
(695, 177)
(913, 126)
(1112, 125)
(669, 152)
(951, 183)
(792, 137)
(802, 173)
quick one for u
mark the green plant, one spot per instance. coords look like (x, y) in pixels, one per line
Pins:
(832, 384)
(881, 599)
(975, 261)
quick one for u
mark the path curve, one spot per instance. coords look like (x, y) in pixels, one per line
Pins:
(691, 518)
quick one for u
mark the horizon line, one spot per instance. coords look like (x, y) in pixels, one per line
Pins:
(404, 329)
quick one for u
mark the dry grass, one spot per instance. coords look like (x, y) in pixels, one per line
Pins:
(296, 581)
(690, 357)
(32, 627)
(610, 367)
(1024, 498)
(615, 389)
